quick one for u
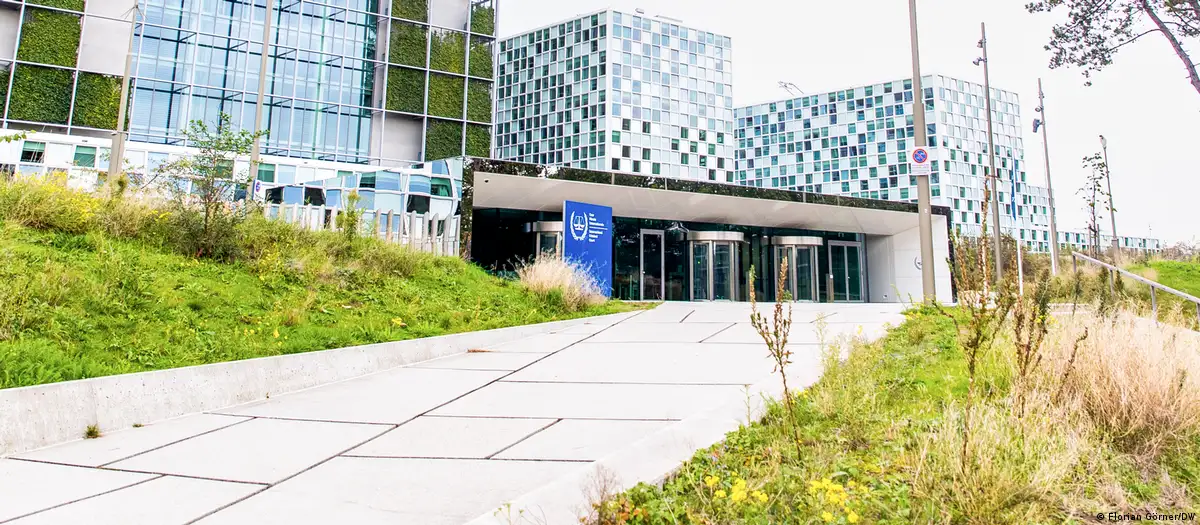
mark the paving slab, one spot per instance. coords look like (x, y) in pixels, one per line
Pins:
(167, 500)
(658, 333)
(122, 444)
(801, 333)
(677, 363)
(259, 451)
(582, 439)
(539, 344)
(582, 329)
(369, 491)
(589, 400)
(483, 361)
(667, 313)
(391, 397)
(27, 487)
(451, 437)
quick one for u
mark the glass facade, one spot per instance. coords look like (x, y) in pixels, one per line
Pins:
(854, 142)
(615, 91)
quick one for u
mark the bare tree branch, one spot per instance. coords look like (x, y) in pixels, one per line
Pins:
(1188, 65)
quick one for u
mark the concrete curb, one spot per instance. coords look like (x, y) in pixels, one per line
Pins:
(38, 416)
(650, 460)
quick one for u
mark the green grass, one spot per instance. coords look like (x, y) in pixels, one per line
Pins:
(92, 286)
(1182, 276)
(873, 450)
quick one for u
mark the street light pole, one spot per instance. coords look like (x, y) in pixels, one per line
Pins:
(262, 88)
(925, 217)
(116, 155)
(1112, 210)
(1049, 185)
(987, 96)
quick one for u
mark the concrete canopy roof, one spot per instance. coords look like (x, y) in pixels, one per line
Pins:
(494, 190)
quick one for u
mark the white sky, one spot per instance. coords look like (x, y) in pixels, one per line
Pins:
(1143, 103)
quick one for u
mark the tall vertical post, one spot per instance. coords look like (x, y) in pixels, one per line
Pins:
(1112, 209)
(255, 152)
(925, 217)
(1049, 184)
(116, 156)
(995, 176)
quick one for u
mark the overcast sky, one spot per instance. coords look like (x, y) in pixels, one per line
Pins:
(1143, 104)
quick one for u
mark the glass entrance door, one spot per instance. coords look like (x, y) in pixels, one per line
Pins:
(801, 277)
(722, 282)
(652, 265)
(845, 265)
(714, 270)
(700, 271)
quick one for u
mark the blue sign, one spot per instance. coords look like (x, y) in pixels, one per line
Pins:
(588, 240)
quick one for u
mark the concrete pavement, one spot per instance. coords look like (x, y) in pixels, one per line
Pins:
(440, 442)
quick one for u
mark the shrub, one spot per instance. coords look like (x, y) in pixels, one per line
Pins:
(406, 90)
(49, 37)
(481, 58)
(97, 101)
(47, 205)
(483, 19)
(408, 44)
(40, 94)
(479, 101)
(479, 141)
(411, 9)
(445, 96)
(561, 280)
(443, 140)
(448, 52)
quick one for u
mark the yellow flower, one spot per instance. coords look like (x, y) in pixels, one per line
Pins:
(851, 483)
(276, 333)
(852, 517)
(398, 322)
(719, 494)
(827, 517)
(760, 496)
(738, 496)
(711, 481)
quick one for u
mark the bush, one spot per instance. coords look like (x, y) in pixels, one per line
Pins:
(483, 19)
(48, 205)
(445, 96)
(443, 140)
(406, 90)
(481, 58)
(479, 101)
(479, 141)
(411, 9)
(561, 281)
(408, 44)
(40, 94)
(49, 37)
(448, 52)
(97, 101)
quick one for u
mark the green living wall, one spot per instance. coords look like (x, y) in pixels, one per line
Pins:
(406, 90)
(40, 94)
(448, 52)
(479, 101)
(411, 9)
(483, 19)
(445, 96)
(97, 101)
(408, 44)
(479, 140)
(49, 37)
(74, 5)
(443, 139)
(481, 58)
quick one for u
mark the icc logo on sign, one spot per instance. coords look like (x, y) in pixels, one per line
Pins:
(579, 226)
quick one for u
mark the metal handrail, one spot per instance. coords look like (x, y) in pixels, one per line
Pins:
(1153, 285)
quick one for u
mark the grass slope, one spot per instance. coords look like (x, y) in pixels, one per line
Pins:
(1182, 276)
(75, 306)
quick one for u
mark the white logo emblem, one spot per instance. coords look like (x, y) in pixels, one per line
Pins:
(579, 226)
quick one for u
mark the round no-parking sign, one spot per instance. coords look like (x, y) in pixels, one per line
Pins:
(919, 159)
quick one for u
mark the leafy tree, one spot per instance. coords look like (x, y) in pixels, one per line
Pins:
(1095, 198)
(214, 180)
(1096, 29)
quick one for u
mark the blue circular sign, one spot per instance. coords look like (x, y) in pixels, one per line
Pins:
(920, 156)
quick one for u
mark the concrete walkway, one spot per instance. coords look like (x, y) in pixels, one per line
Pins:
(440, 442)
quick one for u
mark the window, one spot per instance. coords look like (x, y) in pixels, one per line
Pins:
(626, 124)
(266, 172)
(616, 164)
(645, 127)
(655, 168)
(34, 152)
(85, 156)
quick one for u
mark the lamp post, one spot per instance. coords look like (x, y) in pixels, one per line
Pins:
(255, 152)
(987, 96)
(1112, 210)
(1041, 109)
(925, 217)
(116, 156)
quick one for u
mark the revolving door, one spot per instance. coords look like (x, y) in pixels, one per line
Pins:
(715, 262)
(800, 276)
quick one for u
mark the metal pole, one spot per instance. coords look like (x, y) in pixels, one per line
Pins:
(1112, 210)
(925, 216)
(1049, 184)
(987, 95)
(262, 88)
(116, 156)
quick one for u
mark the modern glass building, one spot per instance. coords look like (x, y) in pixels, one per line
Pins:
(1082, 241)
(612, 90)
(853, 142)
(356, 81)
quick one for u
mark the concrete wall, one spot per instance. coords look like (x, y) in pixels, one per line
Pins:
(39, 416)
(893, 274)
